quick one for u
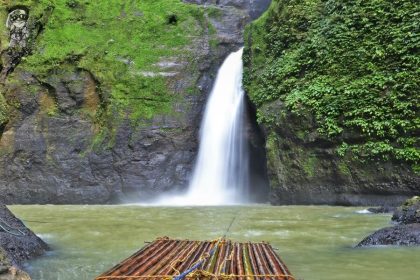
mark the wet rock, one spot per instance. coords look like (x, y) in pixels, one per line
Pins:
(401, 235)
(304, 168)
(409, 212)
(405, 234)
(46, 144)
(43, 162)
(382, 209)
(17, 245)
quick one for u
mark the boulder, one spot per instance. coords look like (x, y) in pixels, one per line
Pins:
(18, 242)
(409, 212)
(401, 235)
(17, 245)
(407, 233)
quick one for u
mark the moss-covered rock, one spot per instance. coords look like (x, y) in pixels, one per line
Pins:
(3, 113)
(336, 89)
(409, 212)
(106, 104)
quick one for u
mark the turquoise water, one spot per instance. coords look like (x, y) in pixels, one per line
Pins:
(315, 242)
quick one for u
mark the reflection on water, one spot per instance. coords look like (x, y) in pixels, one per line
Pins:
(315, 242)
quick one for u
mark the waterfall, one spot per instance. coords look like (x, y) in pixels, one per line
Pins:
(221, 171)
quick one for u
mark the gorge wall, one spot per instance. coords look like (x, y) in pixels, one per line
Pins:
(335, 85)
(101, 101)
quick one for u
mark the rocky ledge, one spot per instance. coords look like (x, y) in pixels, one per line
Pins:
(406, 233)
(17, 244)
(401, 235)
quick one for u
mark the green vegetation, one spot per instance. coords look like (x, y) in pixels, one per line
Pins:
(3, 111)
(354, 65)
(310, 165)
(116, 41)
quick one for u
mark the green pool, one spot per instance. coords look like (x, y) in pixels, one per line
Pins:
(315, 242)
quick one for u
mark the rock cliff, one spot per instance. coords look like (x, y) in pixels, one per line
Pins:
(335, 86)
(102, 103)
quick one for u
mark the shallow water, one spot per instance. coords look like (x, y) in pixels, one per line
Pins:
(315, 242)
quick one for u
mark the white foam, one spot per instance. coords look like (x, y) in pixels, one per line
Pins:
(364, 211)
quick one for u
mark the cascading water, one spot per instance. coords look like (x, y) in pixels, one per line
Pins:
(221, 172)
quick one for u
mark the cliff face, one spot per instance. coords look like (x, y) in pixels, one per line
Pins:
(254, 8)
(336, 88)
(102, 101)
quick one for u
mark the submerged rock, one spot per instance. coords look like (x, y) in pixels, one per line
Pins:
(17, 244)
(401, 235)
(381, 209)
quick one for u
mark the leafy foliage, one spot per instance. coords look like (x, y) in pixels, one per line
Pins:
(353, 64)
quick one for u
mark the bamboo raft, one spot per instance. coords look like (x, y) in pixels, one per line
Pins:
(223, 259)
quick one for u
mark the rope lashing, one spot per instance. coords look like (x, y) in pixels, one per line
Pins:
(198, 264)
(201, 261)
(9, 229)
